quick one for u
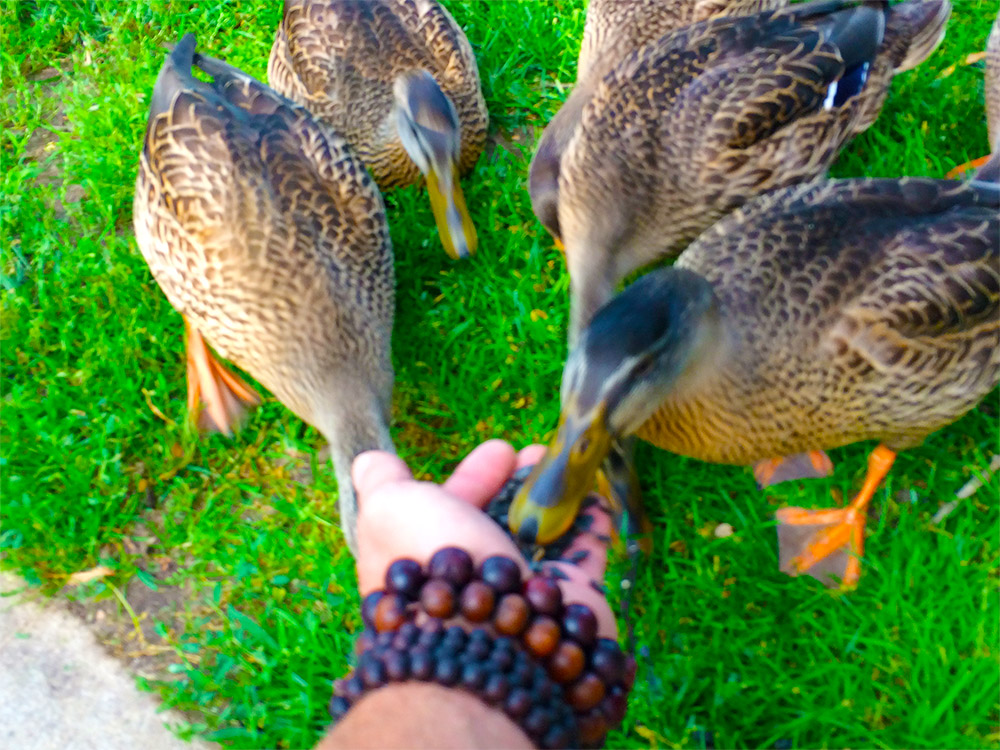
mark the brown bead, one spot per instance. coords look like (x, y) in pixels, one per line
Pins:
(477, 602)
(438, 598)
(614, 705)
(566, 664)
(511, 614)
(592, 727)
(390, 612)
(586, 692)
(542, 636)
(544, 595)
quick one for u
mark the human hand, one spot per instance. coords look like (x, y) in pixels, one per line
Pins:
(401, 517)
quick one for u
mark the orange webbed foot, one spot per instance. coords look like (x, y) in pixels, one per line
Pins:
(811, 465)
(829, 543)
(969, 166)
(216, 394)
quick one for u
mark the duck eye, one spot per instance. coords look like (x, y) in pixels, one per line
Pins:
(643, 368)
(582, 445)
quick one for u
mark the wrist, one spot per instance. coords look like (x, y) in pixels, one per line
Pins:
(513, 645)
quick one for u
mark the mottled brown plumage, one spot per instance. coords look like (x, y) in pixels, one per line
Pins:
(269, 236)
(812, 317)
(613, 30)
(340, 59)
(698, 122)
(858, 310)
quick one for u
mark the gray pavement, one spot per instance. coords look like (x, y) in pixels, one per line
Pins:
(59, 690)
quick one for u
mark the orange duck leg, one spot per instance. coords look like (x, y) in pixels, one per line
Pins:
(218, 396)
(822, 543)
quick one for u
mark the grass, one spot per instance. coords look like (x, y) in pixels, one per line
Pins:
(229, 557)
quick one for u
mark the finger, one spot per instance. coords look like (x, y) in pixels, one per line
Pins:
(482, 473)
(530, 455)
(391, 526)
(577, 589)
(372, 469)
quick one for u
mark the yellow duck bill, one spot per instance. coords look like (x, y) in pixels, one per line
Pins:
(550, 499)
(458, 234)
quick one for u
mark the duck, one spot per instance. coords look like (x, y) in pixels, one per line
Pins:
(398, 79)
(985, 167)
(692, 125)
(266, 232)
(612, 30)
(812, 317)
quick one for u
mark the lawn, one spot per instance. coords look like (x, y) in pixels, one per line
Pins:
(228, 584)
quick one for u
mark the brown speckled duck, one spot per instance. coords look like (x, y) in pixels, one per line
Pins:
(693, 125)
(613, 30)
(812, 317)
(398, 79)
(269, 236)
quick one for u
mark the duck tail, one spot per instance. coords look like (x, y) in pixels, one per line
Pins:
(175, 75)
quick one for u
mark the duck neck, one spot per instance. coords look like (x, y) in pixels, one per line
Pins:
(354, 423)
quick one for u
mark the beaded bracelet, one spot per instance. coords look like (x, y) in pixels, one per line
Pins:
(512, 644)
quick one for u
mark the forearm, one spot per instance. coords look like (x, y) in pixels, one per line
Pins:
(422, 715)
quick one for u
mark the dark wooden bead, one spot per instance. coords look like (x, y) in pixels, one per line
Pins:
(580, 624)
(354, 688)
(496, 688)
(406, 636)
(537, 722)
(567, 662)
(421, 663)
(592, 726)
(397, 665)
(586, 692)
(544, 595)
(559, 736)
(608, 661)
(456, 637)
(518, 703)
(384, 640)
(431, 633)
(501, 573)
(339, 706)
(473, 676)
(447, 671)
(478, 650)
(614, 705)
(511, 615)
(390, 612)
(453, 565)
(404, 577)
(372, 673)
(368, 607)
(438, 598)
(542, 636)
(477, 602)
(501, 659)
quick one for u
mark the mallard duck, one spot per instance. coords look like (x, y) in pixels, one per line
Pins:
(693, 125)
(397, 78)
(268, 235)
(613, 29)
(812, 317)
(991, 92)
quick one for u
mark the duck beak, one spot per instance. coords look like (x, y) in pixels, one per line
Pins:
(549, 501)
(458, 235)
